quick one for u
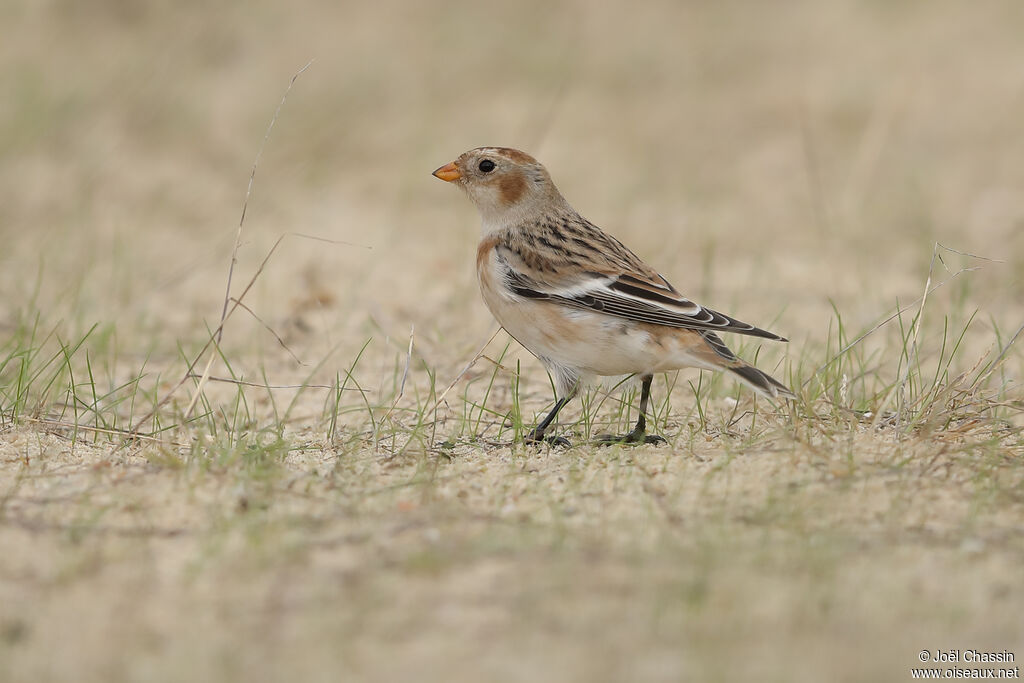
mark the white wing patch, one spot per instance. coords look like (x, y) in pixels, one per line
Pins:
(625, 296)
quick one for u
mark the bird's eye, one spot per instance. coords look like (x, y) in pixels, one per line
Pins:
(486, 166)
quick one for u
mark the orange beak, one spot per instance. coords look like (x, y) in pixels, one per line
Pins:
(448, 173)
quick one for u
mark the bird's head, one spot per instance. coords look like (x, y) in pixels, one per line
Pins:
(507, 186)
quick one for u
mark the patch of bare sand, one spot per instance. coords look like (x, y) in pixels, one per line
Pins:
(597, 564)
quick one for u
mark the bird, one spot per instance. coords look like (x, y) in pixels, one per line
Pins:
(578, 299)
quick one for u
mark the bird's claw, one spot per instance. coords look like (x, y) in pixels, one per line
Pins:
(631, 439)
(554, 441)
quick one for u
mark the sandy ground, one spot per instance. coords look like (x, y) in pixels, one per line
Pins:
(794, 165)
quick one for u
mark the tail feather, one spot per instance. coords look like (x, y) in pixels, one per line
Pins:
(762, 382)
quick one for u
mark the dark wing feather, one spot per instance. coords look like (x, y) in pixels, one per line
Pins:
(716, 343)
(625, 296)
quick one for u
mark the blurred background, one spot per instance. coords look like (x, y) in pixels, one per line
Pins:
(802, 151)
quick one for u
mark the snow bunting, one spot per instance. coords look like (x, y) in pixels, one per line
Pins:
(577, 298)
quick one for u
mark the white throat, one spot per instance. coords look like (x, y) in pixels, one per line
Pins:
(496, 215)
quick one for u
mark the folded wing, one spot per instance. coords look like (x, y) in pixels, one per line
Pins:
(642, 297)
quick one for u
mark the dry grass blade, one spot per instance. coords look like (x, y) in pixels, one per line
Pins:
(260, 385)
(71, 426)
(899, 311)
(912, 352)
(189, 373)
(238, 239)
(269, 329)
(405, 377)
(469, 365)
(1002, 355)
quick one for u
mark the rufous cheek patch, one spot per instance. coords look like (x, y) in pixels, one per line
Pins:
(512, 187)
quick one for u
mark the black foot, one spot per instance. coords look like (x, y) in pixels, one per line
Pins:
(537, 439)
(632, 439)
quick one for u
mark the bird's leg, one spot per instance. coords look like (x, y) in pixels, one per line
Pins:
(536, 434)
(638, 435)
